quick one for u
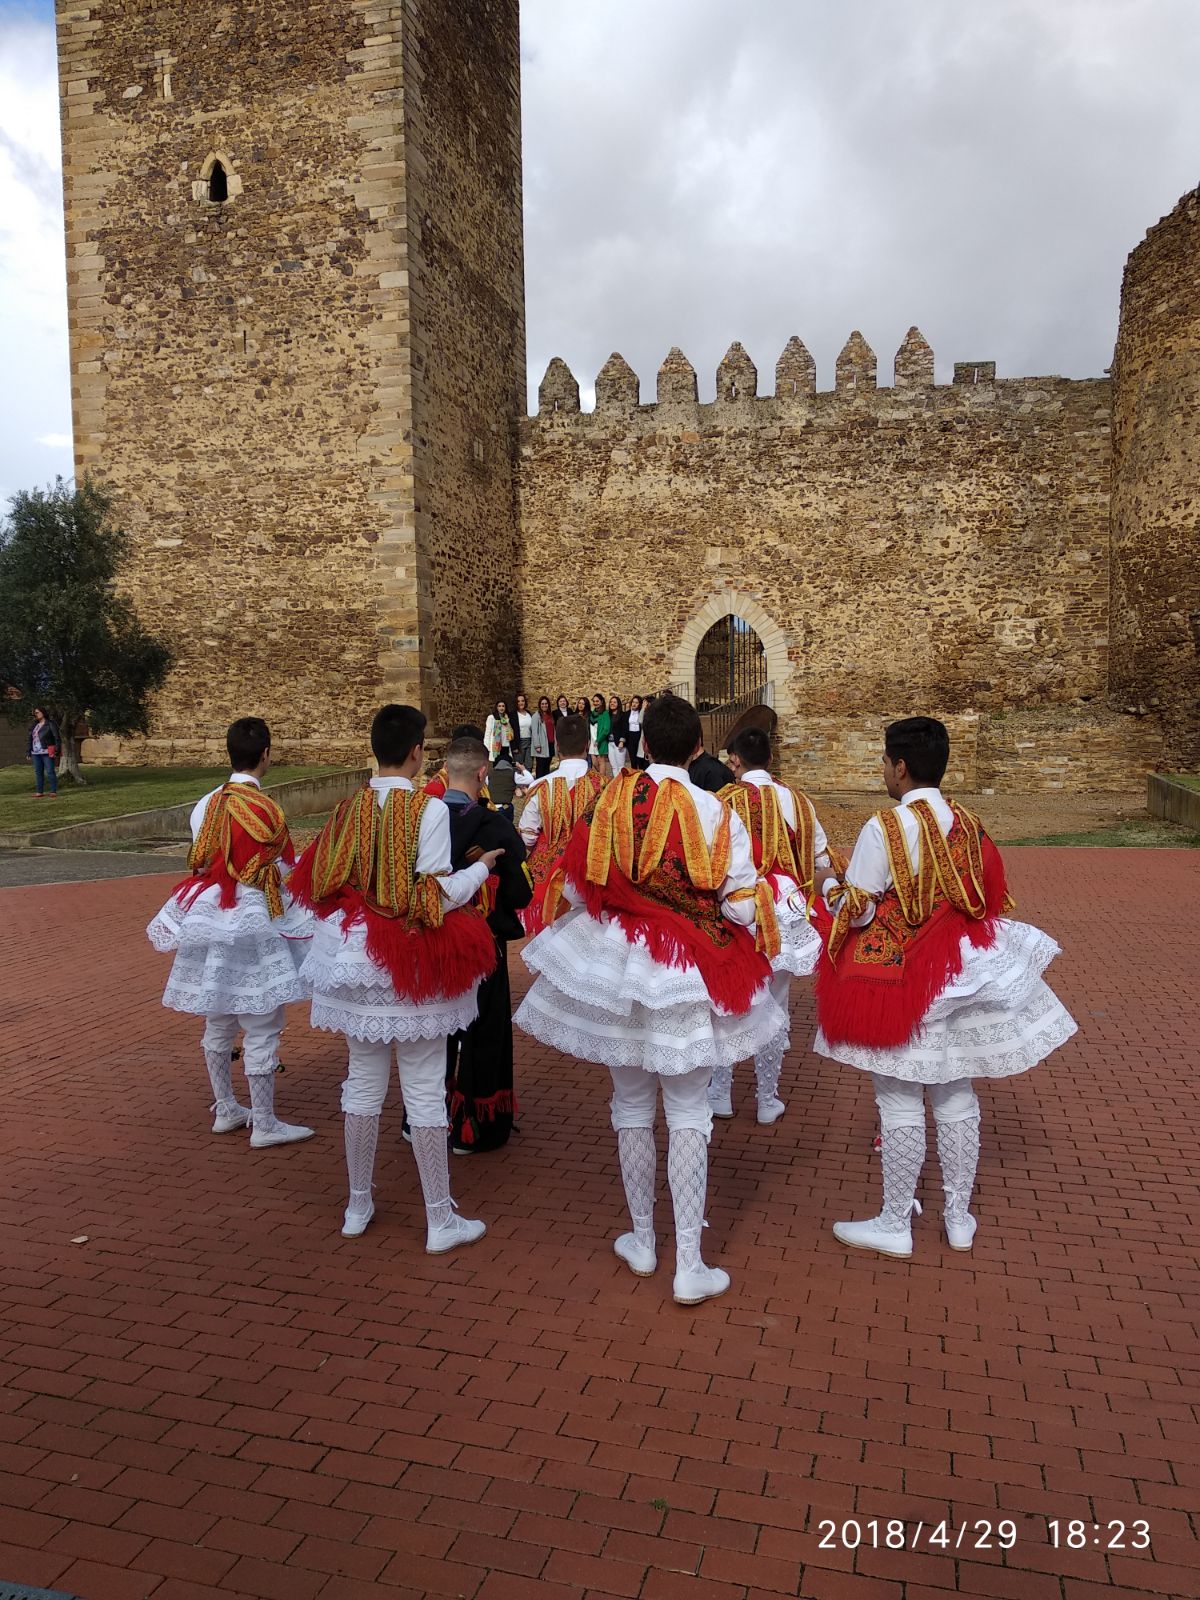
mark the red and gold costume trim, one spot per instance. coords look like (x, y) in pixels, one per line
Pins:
(644, 862)
(880, 980)
(364, 863)
(563, 806)
(242, 838)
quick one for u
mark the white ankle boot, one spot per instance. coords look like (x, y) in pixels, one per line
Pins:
(641, 1259)
(358, 1214)
(459, 1230)
(228, 1116)
(279, 1133)
(877, 1234)
(770, 1110)
(961, 1235)
(720, 1092)
(694, 1284)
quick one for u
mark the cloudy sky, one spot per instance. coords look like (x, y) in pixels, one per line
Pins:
(698, 171)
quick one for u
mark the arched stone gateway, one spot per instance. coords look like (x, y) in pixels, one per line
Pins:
(729, 619)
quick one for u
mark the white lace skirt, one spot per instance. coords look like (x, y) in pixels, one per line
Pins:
(235, 961)
(601, 997)
(799, 942)
(351, 995)
(999, 1017)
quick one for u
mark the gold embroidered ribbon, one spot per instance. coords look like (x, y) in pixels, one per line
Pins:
(612, 835)
(920, 886)
(373, 849)
(245, 806)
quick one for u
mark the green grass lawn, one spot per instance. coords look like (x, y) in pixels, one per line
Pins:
(1149, 833)
(112, 791)
(1190, 780)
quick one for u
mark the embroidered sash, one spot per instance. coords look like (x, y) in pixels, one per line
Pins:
(241, 840)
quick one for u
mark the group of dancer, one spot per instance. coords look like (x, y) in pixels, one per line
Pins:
(667, 924)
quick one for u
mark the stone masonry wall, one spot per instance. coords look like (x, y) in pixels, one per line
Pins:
(1156, 482)
(942, 549)
(254, 377)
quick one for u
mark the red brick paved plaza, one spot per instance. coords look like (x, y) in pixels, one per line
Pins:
(215, 1394)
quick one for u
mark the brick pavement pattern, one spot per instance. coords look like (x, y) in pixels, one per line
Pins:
(204, 1390)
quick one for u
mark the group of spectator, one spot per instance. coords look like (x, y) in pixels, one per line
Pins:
(524, 741)
(527, 738)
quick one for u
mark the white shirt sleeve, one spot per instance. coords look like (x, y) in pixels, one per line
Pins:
(868, 869)
(433, 857)
(742, 875)
(196, 820)
(820, 842)
(531, 817)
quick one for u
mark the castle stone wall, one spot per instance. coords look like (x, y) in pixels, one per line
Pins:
(942, 549)
(1156, 482)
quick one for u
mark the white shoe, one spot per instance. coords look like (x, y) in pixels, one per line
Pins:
(961, 1235)
(701, 1283)
(639, 1258)
(457, 1231)
(874, 1235)
(281, 1133)
(720, 1105)
(770, 1110)
(230, 1121)
(355, 1222)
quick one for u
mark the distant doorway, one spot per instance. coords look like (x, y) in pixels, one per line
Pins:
(731, 664)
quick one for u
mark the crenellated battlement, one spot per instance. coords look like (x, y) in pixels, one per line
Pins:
(618, 387)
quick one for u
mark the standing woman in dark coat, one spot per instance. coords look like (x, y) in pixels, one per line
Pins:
(44, 745)
(618, 734)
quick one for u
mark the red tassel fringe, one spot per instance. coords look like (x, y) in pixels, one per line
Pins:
(423, 963)
(884, 1007)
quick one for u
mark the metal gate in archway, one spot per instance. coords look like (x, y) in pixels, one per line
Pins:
(731, 664)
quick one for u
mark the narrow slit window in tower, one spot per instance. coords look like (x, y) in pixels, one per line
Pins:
(218, 184)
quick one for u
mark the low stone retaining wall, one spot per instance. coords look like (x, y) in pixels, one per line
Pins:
(1177, 802)
(302, 797)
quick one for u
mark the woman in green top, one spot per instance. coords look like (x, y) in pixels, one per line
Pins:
(601, 720)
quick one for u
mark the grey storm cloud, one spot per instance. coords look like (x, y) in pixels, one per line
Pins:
(698, 172)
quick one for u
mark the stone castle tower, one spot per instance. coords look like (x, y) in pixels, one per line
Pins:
(1156, 482)
(294, 239)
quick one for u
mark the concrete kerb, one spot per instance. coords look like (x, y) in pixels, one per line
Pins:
(302, 797)
(1177, 802)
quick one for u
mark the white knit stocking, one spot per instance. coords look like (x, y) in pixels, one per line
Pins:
(429, 1148)
(220, 1076)
(262, 1101)
(687, 1173)
(767, 1067)
(362, 1136)
(720, 1088)
(638, 1163)
(958, 1153)
(903, 1155)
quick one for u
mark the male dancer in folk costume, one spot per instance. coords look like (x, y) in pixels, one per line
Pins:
(789, 844)
(655, 973)
(395, 964)
(555, 804)
(926, 984)
(238, 937)
(479, 1058)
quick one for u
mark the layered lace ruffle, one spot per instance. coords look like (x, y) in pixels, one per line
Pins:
(351, 995)
(247, 978)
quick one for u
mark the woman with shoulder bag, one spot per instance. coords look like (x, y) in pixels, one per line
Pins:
(44, 745)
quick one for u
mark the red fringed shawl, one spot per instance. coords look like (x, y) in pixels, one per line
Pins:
(242, 839)
(644, 861)
(363, 864)
(876, 983)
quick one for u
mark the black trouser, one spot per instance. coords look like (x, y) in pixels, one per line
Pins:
(479, 1066)
(541, 765)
